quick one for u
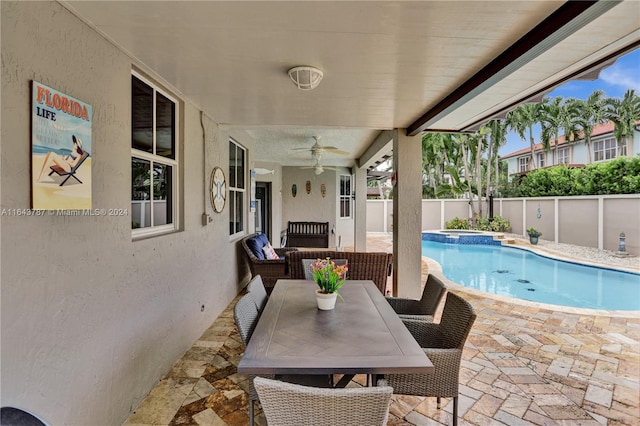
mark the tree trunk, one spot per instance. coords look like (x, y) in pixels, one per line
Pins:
(479, 176)
(465, 161)
(533, 149)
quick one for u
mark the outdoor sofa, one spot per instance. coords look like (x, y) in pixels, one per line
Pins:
(269, 269)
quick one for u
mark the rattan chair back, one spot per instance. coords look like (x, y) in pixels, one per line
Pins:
(287, 404)
(258, 292)
(246, 316)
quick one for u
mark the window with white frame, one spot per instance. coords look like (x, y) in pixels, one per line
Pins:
(523, 164)
(541, 158)
(605, 149)
(622, 149)
(154, 159)
(346, 192)
(563, 156)
(237, 188)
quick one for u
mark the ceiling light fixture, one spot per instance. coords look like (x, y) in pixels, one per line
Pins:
(305, 77)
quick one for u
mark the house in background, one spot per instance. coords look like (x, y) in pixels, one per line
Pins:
(573, 153)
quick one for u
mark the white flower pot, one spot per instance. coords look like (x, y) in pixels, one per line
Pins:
(326, 302)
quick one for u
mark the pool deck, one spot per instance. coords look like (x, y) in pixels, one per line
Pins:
(524, 363)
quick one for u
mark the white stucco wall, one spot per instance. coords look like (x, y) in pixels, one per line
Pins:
(91, 320)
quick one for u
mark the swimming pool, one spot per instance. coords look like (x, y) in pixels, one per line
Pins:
(525, 275)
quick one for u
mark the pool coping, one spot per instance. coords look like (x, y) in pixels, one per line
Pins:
(521, 244)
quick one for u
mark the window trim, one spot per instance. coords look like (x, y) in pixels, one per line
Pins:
(523, 162)
(152, 231)
(560, 153)
(605, 149)
(348, 196)
(234, 189)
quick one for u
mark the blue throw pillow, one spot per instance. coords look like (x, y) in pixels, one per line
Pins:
(255, 245)
(263, 238)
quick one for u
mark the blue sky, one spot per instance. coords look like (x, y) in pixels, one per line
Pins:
(614, 80)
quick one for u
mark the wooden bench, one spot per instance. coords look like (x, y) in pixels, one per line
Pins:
(308, 234)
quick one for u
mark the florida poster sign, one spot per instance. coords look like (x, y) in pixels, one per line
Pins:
(60, 150)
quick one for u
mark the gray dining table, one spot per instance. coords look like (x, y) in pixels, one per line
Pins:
(361, 335)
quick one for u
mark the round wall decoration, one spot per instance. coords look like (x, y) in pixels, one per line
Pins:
(218, 188)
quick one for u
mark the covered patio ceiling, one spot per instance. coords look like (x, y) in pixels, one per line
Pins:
(420, 65)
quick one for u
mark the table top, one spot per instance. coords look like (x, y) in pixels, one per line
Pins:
(363, 334)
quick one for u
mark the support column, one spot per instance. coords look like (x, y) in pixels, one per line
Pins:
(407, 214)
(360, 219)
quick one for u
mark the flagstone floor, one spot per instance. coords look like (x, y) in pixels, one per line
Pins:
(523, 364)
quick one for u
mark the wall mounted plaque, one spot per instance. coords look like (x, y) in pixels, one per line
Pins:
(218, 187)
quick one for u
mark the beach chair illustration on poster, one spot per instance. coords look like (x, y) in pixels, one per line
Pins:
(71, 173)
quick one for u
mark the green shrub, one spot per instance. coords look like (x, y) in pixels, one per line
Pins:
(618, 176)
(457, 223)
(498, 224)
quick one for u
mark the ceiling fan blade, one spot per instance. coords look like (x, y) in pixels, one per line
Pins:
(335, 151)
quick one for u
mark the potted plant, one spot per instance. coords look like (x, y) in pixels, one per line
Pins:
(329, 277)
(534, 234)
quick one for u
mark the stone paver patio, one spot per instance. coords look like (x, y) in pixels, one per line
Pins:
(523, 364)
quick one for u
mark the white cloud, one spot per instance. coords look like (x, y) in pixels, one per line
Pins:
(626, 77)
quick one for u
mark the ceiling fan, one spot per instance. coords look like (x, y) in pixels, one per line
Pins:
(318, 168)
(317, 150)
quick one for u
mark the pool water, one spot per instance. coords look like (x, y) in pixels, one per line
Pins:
(525, 275)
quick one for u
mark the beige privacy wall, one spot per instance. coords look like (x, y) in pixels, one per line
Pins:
(91, 320)
(591, 221)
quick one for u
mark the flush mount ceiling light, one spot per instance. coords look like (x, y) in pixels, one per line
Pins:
(306, 78)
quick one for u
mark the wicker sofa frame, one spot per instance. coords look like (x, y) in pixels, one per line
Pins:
(375, 266)
(270, 270)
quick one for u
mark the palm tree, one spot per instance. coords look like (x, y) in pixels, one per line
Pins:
(498, 131)
(479, 151)
(590, 113)
(550, 118)
(523, 118)
(624, 113)
(461, 140)
(559, 115)
(434, 157)
(471, 145)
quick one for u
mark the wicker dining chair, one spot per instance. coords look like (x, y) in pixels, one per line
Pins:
(287, 404)
(258, 292)
(442, 343)
(425, 308)
(306, 264)
(246, 316)
(374, 266)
